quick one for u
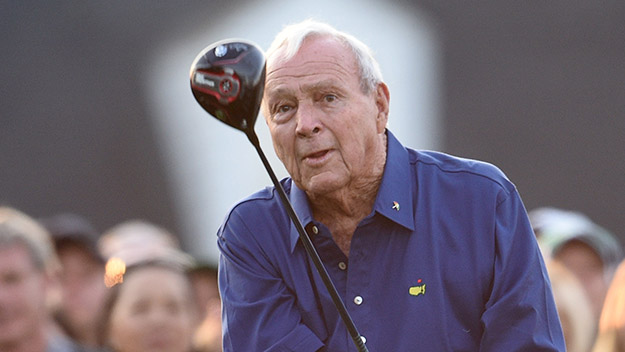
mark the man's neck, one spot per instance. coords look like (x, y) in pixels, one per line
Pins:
(354, 202)
(342, 210)
(355, 199)
(343, 215)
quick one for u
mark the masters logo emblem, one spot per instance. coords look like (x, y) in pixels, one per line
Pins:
(417, 290)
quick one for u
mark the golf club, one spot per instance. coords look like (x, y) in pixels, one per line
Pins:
(228, 80)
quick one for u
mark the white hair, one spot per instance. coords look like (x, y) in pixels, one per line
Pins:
(18, 228)
(292, 36)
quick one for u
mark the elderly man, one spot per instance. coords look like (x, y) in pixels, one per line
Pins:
(28, 275)
(428, 251)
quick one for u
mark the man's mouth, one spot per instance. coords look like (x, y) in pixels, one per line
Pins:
(316, 157)
(316, 154)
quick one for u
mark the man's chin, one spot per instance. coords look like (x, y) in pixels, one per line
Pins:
(323, 185)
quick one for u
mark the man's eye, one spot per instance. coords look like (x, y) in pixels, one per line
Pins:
(11, 278)
(282, 112)
(329, 98)
(283, 109)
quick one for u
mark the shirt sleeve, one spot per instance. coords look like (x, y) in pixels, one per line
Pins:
(520, 314)
(259, 312)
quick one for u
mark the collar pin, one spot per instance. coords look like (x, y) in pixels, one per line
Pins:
(395, 205)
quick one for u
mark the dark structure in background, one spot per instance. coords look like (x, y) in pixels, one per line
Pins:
(536, 88)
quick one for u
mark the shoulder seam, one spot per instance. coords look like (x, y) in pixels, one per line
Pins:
(415, 159)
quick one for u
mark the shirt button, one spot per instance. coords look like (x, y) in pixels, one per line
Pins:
(315, 230)
(342, 266)
(358, 300)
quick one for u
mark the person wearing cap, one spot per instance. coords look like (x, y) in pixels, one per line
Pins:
(83, 291)
(590, 251)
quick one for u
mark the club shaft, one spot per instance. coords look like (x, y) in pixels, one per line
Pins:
(310, 249)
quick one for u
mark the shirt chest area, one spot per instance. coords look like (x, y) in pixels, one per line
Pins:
(391, 282)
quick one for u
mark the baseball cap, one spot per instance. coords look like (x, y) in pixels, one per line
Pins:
(555, 228)
(70, 228)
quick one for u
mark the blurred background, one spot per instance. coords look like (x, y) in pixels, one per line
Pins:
(97, 117)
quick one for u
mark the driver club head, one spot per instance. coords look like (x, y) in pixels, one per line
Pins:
(228, 79)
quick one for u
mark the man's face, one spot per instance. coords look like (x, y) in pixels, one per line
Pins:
(586, 264)
(154, 312)
(325, 130)
(83, 288)
(22, 295)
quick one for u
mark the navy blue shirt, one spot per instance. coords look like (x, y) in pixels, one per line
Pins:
(446, 261)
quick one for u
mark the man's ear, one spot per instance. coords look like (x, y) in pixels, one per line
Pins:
(382, 100)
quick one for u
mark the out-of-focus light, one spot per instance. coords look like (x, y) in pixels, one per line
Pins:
(114, 272)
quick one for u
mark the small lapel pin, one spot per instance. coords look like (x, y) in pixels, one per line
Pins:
(396, 206)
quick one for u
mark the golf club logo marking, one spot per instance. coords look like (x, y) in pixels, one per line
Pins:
(202, 79)
(225, 86)
(221, 50)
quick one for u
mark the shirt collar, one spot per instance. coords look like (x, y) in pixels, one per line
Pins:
(395, 196)
(394, 200)
(299, 200)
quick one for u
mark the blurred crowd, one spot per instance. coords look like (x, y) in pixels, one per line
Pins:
(64, 286)
(582, 259)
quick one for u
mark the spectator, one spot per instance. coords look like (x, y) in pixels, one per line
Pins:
(573, 307)
(588, 250)
(208, 335)
(137, 240)
(152, 309)
(611, 336)
(83, 290)
(28, 276)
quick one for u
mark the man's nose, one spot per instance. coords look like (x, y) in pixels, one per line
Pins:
(308, 122)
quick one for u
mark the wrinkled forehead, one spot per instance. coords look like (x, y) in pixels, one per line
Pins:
(309, 75)
(315, 48)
